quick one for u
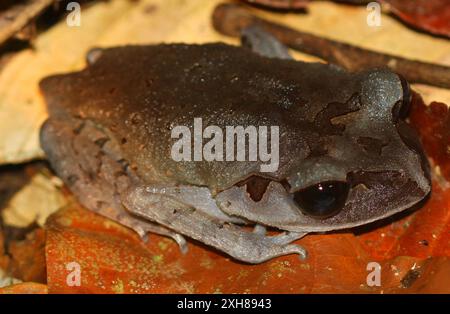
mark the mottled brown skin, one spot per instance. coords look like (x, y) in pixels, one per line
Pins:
(334, 125)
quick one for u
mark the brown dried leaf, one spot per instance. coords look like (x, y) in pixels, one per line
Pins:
(433, 123)
(27, 258)
(25, 288)
(18, 14)
(428, 15)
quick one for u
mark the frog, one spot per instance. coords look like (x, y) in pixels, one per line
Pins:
(347, 156)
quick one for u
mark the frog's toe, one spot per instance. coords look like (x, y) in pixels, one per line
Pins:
(267, 247)
(282, 240)
(296, 249)
(143, 228)
(259, 229)
(142, 233)
(285, 238)
(181, 241)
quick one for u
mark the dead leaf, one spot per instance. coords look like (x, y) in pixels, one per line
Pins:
(34, 202)
(432, 16)
(433, 123)
(12, 179)
(61, 48)
(25, 288)
(428, 15)
(432, 277)
(27, 258)
(15, 16)
(23, 259)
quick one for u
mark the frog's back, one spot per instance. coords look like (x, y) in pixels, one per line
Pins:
(141, 92)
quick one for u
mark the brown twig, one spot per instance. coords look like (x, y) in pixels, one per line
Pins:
(19, 15)
(280, 4)
(230, 19)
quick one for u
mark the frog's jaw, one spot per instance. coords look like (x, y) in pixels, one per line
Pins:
(251, 247)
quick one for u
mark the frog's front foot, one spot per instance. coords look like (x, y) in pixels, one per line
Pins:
(143, 228)
(251, 247)
(280, 242)
(260, 248)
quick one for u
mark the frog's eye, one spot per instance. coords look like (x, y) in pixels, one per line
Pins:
(401, 109)
(322, 200)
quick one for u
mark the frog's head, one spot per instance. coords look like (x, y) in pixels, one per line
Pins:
(371, 168)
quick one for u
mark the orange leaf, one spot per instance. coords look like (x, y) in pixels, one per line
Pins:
(113, 259)
(25, 288)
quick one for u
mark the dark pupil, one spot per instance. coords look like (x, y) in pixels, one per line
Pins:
(322, 200)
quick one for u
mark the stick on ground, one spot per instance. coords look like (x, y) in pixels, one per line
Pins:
(19, 15)
(230, 19)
